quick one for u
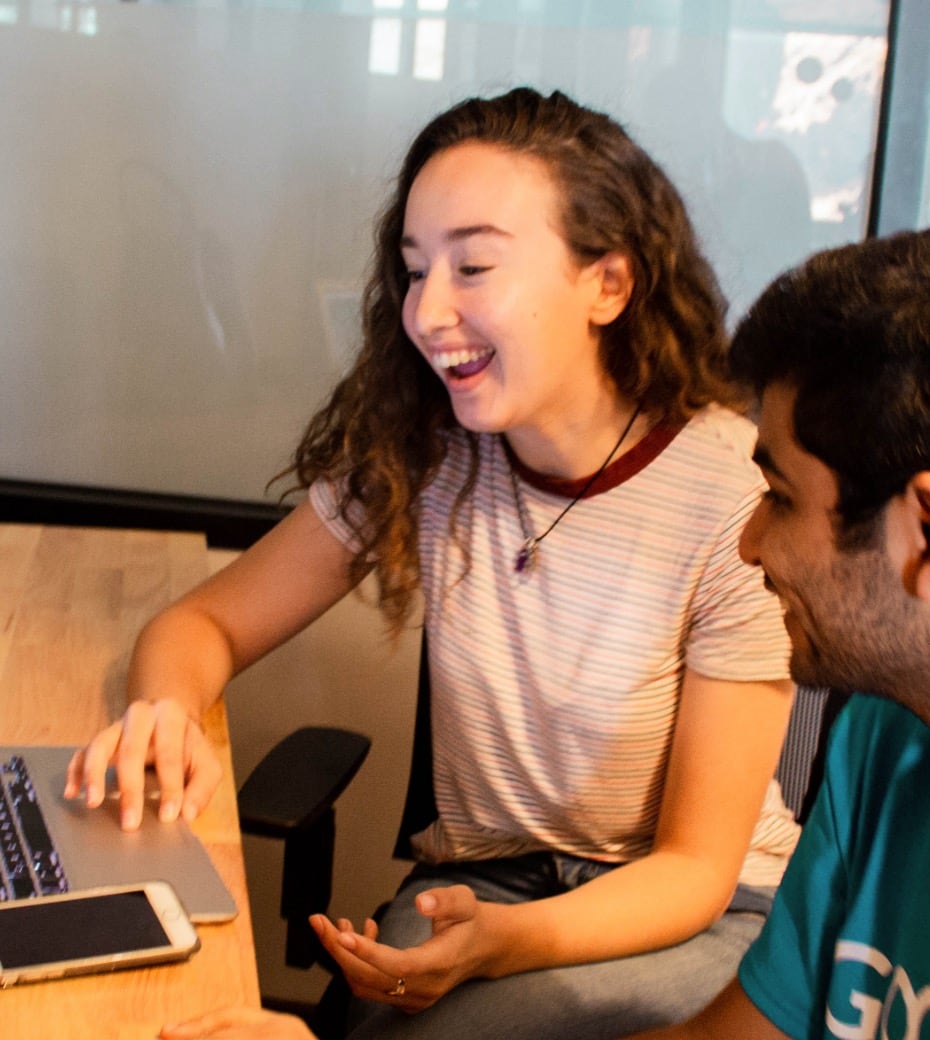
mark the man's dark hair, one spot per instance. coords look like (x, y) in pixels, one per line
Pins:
(850, 330)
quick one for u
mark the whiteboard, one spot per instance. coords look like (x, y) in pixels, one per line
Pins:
(186, 192)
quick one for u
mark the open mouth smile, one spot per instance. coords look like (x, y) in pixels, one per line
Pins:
(460, 364)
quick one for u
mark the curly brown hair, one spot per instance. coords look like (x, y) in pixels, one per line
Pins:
(385, 429)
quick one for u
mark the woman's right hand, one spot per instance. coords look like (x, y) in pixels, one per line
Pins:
(151, 733)
(187, 653)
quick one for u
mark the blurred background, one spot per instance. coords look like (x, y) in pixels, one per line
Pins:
(187, 189)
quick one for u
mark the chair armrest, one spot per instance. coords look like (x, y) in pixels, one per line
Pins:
(290, 795)
(299, 779)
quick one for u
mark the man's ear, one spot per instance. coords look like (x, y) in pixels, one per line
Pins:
(614, 273)
(919, 486)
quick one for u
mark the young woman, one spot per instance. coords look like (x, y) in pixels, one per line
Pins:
(536, 434)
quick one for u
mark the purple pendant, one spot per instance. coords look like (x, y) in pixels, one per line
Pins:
(526, 556)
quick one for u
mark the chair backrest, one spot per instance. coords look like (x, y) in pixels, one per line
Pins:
(800, 767)
(420, 803)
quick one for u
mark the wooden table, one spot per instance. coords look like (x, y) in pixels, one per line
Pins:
(71, 603)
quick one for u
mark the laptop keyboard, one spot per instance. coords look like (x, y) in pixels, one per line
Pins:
(29, 864)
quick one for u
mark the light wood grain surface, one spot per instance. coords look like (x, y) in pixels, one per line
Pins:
(71, 603)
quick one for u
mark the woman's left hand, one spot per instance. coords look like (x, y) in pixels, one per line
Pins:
(415, 978)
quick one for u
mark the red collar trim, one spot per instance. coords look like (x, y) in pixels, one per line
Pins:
(619, 471)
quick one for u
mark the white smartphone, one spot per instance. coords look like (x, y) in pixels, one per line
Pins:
(97, 929)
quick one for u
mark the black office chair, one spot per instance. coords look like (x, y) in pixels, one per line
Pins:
(290, 795)
(320, 763)
(800, 766)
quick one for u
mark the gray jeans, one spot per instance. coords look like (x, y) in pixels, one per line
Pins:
(598, 1001)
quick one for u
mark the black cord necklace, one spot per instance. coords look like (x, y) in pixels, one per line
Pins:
(526, 557)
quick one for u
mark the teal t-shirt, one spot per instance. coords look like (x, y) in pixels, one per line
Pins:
(845, 952)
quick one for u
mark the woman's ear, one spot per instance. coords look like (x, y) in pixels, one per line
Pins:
(615, 279)
(920, 486)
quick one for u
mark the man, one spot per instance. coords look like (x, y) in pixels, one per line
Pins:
(839, 354)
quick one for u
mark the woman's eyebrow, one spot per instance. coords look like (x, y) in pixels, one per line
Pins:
(459, 233)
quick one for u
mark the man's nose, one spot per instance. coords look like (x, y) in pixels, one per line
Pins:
(751, 534)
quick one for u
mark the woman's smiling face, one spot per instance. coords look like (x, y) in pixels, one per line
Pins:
(496, 302)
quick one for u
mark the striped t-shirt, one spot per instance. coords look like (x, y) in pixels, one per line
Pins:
(555, 690)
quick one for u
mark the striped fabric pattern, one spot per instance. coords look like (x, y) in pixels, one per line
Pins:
(555, 692)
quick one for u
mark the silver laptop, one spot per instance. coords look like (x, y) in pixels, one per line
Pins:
(85, 848)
